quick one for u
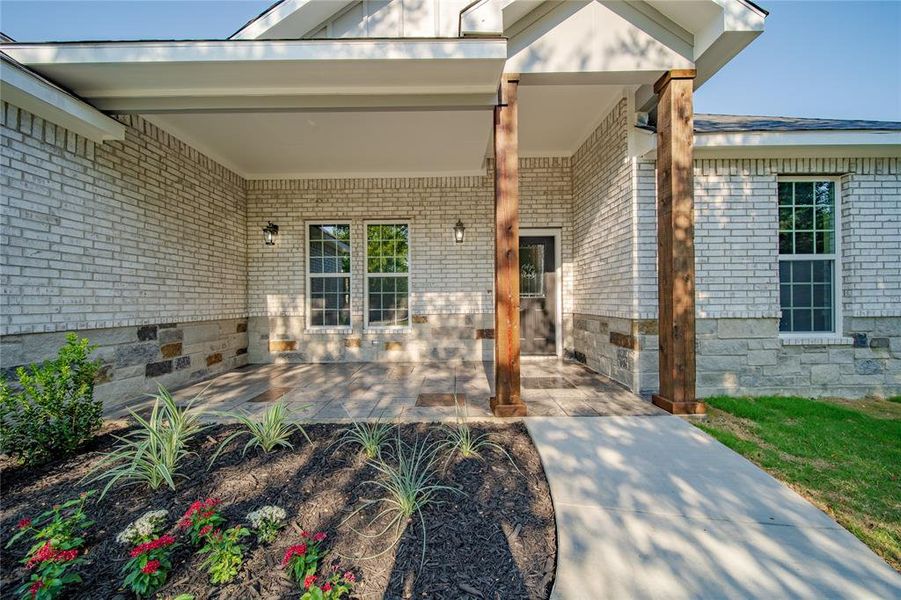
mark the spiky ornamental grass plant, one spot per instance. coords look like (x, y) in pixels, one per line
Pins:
(370, 437)
(271, 432)
(461, 440)
(153, 453)
(407, 481)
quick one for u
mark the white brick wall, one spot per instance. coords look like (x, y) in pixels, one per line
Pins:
(603, 221)
(146, 230)
(736, 229)
(871, 239)
(446, 278)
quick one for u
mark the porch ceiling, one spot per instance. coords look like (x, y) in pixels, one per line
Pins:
(554, 120)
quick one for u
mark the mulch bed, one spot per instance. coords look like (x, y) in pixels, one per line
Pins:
(497, 540)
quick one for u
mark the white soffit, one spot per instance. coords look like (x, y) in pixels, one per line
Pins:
(338, 144)
(554, 120)
(132, 76)
(39, 97)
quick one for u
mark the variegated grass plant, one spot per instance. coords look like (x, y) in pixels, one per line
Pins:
(370, 437)
(272, 431)
(460, 439)
(152, 454)
(407, 480)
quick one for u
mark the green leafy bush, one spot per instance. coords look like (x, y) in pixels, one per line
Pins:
(55, 411)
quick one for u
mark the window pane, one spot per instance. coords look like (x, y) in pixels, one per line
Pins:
(388, 251)
(804, 217)
(805, 295)
(329, 248)
(825, 193)
(825, 242)
(802, 320)
(803, 193)
(803, 242)
(329, 301)
(786, 219)
(785, 193)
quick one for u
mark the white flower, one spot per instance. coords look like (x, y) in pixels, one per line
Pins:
(266, 514)
(143, 527)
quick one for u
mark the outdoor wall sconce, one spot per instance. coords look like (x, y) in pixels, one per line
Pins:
(270, 231)
(459, 232)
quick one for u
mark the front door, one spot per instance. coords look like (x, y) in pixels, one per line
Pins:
(537, 295)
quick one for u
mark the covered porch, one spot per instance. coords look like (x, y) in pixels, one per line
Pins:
(423, 391)
(529, 123)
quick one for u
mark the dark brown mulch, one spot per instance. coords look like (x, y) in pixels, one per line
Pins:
(497, 540)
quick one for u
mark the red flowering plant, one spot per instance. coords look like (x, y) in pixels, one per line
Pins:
(57, 539)
(201, 519)
(51, 572)
(333, 587)
(302, 559)
(148, 566)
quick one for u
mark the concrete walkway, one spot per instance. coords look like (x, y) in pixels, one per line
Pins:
(651, 507)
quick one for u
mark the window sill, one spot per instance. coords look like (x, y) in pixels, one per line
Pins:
(382, 331)
(328, 330)
(816, 340)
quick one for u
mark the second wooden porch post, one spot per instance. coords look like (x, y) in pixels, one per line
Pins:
(675, 243)
(507, 401)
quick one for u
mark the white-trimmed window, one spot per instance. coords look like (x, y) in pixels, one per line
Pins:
(387, 274)
(809, 255)
(328, 275)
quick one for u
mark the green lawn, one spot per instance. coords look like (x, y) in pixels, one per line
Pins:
(844, 456)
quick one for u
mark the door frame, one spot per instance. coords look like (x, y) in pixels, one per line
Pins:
(556, 233)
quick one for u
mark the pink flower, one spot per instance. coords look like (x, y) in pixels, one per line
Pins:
(349, 577)
(308, 581)
(151, 567)
(23, 523)
(327, 587)
(35, 588)
(319, 536)
(205, 530)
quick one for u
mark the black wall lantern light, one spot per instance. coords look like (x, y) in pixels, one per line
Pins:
(459, 232)
(269, 233)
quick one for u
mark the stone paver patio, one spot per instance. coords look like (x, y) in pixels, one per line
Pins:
(345, 391)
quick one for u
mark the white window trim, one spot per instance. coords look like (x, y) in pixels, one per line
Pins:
(308, 288)
(409, 274)
(836, 257)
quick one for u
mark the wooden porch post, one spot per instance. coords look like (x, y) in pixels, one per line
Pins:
(507, 401)
(675, 243)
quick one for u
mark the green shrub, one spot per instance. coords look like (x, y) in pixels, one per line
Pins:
(55, 411)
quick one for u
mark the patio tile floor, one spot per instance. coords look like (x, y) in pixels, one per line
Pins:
(354, 391)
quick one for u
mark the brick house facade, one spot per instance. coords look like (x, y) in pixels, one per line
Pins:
(120, 242)
(149, 243)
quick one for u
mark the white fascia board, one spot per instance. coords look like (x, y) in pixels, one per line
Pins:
(294, 15)
(752, 139)
(773, 144)
(253, 51)
(28, 92)
(736, 25)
